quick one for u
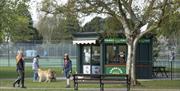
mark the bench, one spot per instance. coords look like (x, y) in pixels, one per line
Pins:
(160, 70)
(101, 79)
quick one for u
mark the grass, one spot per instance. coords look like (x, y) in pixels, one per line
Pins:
(10, 72)
(176, 70)
(8, 75)
(159, 84)
(59, 85)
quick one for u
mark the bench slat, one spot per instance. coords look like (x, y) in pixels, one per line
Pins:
(101, 79)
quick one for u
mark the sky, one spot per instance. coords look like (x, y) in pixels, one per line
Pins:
(33, 10)
(36, 4)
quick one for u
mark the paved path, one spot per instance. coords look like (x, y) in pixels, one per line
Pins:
(90, 89)
(94, 89)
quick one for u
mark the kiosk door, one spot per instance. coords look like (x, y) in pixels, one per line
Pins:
(91, 59)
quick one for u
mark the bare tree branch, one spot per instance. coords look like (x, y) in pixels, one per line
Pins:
(134, 20)
(124, 19)
(148, 11)
(152, 27)
(163, 12)
(130, 2)
(129, 10)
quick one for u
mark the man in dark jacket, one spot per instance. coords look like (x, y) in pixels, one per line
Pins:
(20, 70)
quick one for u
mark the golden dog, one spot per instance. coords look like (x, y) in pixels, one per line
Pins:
(46, 75)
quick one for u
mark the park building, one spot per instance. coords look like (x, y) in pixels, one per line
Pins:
(97, 54)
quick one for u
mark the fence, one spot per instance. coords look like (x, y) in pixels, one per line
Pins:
(50, 54)
(173, 67)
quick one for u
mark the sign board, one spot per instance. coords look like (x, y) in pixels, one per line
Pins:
(95, 69)
(86, 69)
(120, 40)
(115, 69)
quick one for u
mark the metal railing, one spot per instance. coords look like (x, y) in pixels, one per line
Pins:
(50, 54)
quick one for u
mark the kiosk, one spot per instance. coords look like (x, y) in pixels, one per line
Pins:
(97, 54)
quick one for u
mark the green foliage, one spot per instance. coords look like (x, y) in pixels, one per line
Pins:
(59, 22)
(54, 28)
(112, 24)
(170, 25)
(156, 48)
(109, 26)
(15, 19)
(100, 24)
(94, 25)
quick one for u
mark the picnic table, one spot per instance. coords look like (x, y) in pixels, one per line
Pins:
(157, 70)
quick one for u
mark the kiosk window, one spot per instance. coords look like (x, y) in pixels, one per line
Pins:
(95, 55)
(91, 54)
(116, 54)
(87, 54)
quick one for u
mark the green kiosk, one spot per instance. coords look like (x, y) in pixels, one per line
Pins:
(97, 54)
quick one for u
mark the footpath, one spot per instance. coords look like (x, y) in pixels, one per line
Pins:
(85, 89)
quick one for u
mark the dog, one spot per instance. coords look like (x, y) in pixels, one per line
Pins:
(46, 75)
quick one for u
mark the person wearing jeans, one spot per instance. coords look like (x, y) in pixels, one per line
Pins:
(35, 67)
(20, 70)
(67, 69)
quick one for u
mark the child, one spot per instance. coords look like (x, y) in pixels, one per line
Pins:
(35, 67)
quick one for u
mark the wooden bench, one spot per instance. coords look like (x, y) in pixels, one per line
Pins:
(101, 79)
(160, 70)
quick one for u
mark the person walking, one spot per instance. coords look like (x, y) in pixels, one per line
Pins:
(35, 67)
(67, 69)
(20, 70)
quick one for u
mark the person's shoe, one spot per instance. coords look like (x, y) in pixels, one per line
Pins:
(68, 86)
(14, 84)
(35, 80)
(18, 85)
(23, 87)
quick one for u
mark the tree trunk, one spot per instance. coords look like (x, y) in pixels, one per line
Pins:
(130, 65)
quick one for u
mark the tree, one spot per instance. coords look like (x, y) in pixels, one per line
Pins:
(97, 24)
(50, 28)
(6, 19)
(170, 29)
(55, 25)
(111, 24)
(137, 18)
(133, 16)
(15, 21)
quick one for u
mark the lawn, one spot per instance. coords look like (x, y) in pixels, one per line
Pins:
(10, 72)
(8, 75)
(59, 85)
(159, 84)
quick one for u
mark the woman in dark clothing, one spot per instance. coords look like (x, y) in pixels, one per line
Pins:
(20, 70)
(67, 68)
